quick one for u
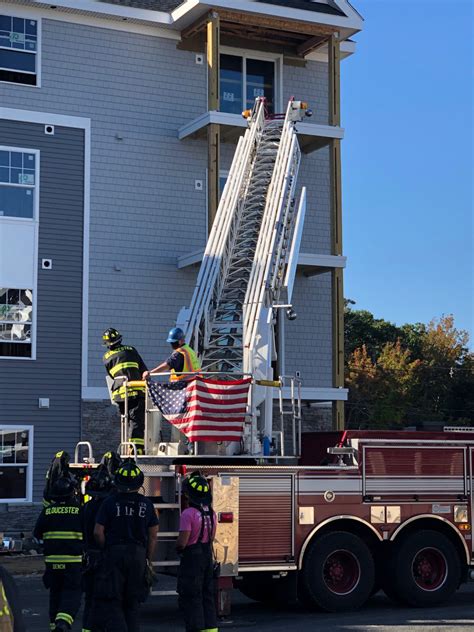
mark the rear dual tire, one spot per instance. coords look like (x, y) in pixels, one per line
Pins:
(338, 573)
(423, 570)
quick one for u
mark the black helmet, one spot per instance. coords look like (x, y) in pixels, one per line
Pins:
(111, 337)
(100, 483)
(129, 477)
(111, 460)
(63, 489)
(197, 489)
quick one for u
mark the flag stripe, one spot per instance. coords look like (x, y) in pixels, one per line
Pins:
(241, 402)
(221, 392)
(204, 410)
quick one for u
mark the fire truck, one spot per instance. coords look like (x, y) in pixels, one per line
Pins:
(326, 518)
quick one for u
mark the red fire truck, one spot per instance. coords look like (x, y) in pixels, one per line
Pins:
(358, 511)
(328, 518)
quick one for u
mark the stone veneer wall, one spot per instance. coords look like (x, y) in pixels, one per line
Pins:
(100, 426)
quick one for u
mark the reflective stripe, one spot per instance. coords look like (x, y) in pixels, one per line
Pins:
(62, 535)
(52, 559)
(191, 363)
(64, 616)
(5, 610)
(137, 441)
(123, 365)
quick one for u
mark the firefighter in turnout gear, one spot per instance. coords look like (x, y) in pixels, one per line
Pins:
(60, 527)
(196, 581)
(11, 616)
(183, 359)
(126, 528)
(59, 468)
(98, 487)
(125, 361)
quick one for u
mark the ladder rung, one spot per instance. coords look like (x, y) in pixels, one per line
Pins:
(167, 563)
(166, 505)
(163, 593)
(167, 534)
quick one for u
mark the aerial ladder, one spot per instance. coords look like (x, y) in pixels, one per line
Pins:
(249, 264)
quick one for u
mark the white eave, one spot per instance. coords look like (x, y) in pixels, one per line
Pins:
(350, 23)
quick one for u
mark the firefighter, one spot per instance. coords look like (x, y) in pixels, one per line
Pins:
(182, 360)
(11, 616)
(196, 582)
(98, 487)
(125, 361)
(59, 468)
(60, 527)
(126, 529)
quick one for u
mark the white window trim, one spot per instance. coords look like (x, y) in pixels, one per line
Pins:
(35, 221)
(47, 118)
(24, 16)
(276, 58)
(29, 465)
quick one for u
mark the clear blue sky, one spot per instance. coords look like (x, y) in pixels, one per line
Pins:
(407, 106)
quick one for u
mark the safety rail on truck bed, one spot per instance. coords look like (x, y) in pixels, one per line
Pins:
(289, 410)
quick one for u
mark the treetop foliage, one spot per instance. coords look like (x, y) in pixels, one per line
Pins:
(414, 374)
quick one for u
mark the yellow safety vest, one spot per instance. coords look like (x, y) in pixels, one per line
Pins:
(191, 364)
(6, 616)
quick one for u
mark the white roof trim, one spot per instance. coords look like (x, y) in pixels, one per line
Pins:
(113, 10)
(354, 22)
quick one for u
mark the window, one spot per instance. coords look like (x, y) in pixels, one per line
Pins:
(16, 322)
(18, 50)
(242, 80)
(16, 445)
(17, 184)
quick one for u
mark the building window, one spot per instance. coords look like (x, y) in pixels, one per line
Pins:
(242, 80)
(16, 323)
(16, 449)
(17, 184)
(18, 50)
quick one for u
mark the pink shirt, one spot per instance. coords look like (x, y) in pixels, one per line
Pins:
(191, 520)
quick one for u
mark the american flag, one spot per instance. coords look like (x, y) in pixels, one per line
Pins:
(204, 409)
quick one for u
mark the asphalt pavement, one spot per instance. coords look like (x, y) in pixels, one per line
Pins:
(378, 615)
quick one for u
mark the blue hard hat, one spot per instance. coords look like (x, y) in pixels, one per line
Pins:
(175, 335)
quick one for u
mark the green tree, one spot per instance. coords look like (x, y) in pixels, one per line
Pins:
(409, 374)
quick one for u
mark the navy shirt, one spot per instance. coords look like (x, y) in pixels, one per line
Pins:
(91, 510)
(126, 518)
(176, 361)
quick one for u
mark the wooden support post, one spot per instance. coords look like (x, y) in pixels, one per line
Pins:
(213, 131)
(334, 78)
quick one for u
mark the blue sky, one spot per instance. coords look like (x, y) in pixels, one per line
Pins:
(407, 102)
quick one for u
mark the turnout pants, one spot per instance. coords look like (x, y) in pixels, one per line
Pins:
(136, 418)
(196, 588)
(119, 588)
(89, 623)
(64, 585)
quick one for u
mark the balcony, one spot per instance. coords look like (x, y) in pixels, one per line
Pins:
(312, 136)
(309, 264)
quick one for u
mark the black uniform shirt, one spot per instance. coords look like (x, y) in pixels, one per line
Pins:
(127, 518)
(91, 510)
(60, 526)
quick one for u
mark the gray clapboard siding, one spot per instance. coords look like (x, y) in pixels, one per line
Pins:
(56, 371)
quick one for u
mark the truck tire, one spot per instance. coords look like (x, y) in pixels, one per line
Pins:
(425, 569)
(338, 572)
